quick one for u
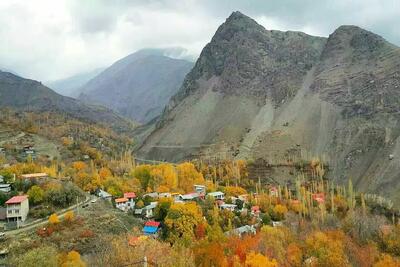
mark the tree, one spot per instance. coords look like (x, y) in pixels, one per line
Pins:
(72, 259)
(79, 165)
(142, 173)
(256, 259)
(188, 176)
(53, 219)
(42, 256)
(328, 248)
(36, 194)
(165, 175)
(181, 222)
(387, 261)
(280, 212)
(69, 216)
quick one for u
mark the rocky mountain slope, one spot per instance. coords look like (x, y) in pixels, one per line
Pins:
(139, 85)
(282, 96)
(71, 86)
(29, 95)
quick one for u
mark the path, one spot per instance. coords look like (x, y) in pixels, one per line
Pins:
(40, 222)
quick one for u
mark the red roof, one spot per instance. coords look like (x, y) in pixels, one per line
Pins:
(120, 200)
(16, 199)
(130, 195)
(152, 223)
(255, 208)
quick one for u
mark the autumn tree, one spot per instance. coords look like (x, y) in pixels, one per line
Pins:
(188, 176)
(181, 222)
(165, 175)
(69, 216)
(72, 259)
(53, 219)
(256, 259)
(328, 248)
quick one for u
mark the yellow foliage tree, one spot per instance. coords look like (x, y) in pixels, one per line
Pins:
(53, 219)
(69, 216)
(181, 221)
(256, 259)
(79, 165)
(188, 176)
(387, 261)
(72, 259)
(165, 174)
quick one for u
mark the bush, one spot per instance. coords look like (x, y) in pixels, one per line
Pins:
(43, 256)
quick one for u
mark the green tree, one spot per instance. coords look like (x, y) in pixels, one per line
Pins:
(36, 194)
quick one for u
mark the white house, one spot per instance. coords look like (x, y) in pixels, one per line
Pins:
(217, 195)
(121, 203)
(246, 229)
(230, 207)
(149, 210)
(201, 189)
(189, 197)
(17, 208)
(131, 199)
(5, 188)
(104, 195)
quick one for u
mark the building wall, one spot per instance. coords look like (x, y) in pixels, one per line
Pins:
(22, 208)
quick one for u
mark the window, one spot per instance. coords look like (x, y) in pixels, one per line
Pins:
(9, 211)
(17, 211)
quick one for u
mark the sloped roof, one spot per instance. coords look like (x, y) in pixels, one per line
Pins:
(17, 199)
(152, 223)
(129, 195)
(120, 200)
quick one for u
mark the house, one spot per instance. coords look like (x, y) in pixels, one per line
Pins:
(131, 199)
(17, 208)
(5, 188)
(104, 195)
(201, 189)
(121, 203)
(34, 176)
(217, 195)
(2, 150)
(163, 195)
(274, 192)
(148, 211)
(1, 179)
(246, 229)
(189, 197)
(255, 211)
(230, 207)
(151, 228)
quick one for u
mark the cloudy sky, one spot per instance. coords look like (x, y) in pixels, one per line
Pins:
(48, 39)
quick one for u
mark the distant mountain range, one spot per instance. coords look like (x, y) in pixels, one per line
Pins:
(139, 85)
(71, 86)
(29, 95)
(256, 93)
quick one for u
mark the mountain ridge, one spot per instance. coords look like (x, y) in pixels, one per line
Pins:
(280, 96)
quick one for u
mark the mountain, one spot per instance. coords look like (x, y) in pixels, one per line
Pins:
(139, 85)
(29, 95)
(288, 96)
(71, 86)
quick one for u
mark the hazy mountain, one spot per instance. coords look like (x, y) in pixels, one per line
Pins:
(139, 85)
(71, 86)
(30, 95)
(279, 96)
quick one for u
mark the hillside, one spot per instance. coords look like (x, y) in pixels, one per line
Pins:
(139, 85)
(29, 95)
(288, 96)
(71, 86)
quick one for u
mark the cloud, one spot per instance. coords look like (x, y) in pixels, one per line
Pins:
(47, 39)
